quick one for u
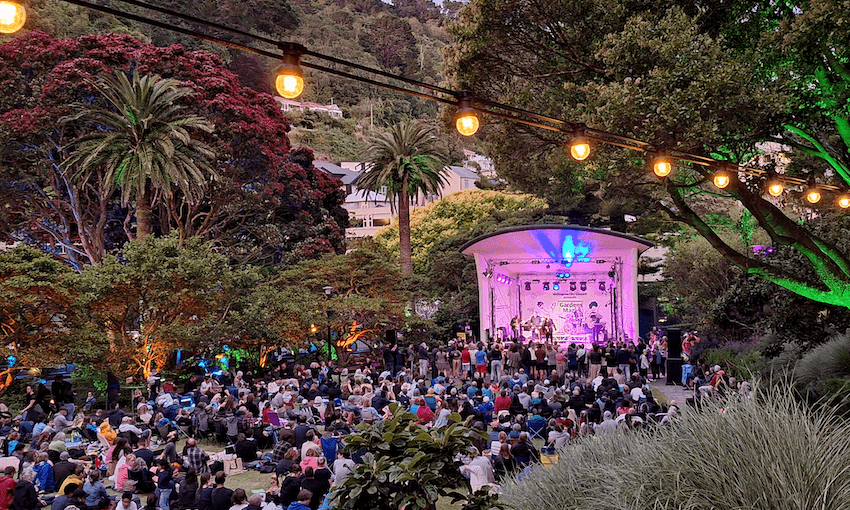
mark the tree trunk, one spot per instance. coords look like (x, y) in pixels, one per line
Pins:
(143, 212)
(404, 230)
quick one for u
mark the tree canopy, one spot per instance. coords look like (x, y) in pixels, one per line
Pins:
(681, 76)
(269, 205)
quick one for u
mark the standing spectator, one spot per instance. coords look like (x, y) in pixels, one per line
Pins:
(165, 484)
(423, 360)
(480, 362)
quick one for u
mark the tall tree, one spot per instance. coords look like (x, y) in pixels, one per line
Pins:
(406, 160)
(655, 72)
(269, 206)
(144, 139)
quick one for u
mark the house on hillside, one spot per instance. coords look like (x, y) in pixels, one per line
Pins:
(289, 105)
(369, 210)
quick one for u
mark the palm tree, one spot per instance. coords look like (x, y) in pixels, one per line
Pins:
(407, 159)
(143, 139)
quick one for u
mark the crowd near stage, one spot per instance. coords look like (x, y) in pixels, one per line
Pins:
(558, 283)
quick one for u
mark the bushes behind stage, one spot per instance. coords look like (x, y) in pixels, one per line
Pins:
(768, 452)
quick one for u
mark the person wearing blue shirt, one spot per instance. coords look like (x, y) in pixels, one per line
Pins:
(302, 502)
(480, 362)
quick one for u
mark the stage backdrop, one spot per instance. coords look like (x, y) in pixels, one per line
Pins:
(583, 280)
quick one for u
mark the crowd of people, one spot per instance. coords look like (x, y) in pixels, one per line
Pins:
(299, 415)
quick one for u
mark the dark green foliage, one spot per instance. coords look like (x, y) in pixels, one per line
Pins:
(406, 465)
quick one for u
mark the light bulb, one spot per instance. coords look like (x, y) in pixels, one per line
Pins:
(662, 166)
(722, 178)
(813, 195)
(844, 201)
(579, 148)
(467, 124)
(290, 81)
(13, 16)
(775, 187)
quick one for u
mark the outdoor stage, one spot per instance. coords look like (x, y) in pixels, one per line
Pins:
(583, 280)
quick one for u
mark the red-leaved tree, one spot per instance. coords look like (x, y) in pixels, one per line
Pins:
(269, 205)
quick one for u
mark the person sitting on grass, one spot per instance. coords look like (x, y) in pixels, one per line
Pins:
(302, 502)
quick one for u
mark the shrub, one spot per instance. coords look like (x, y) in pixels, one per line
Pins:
(827, 361)
(769, 452)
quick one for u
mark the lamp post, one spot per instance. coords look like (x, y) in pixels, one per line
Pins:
(328, 291)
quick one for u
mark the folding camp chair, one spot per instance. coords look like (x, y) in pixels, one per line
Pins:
(537, 429)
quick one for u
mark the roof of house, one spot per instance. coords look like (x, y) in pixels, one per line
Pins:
(464, 173)
(364, 195)
(345, 175)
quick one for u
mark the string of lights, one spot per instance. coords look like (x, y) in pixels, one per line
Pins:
(289, 83)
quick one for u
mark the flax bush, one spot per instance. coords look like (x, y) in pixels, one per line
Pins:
(770, 452)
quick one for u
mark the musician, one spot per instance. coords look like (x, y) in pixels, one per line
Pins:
(548, 329)
(515, 327)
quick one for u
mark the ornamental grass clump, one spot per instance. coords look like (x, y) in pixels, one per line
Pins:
(767, 452)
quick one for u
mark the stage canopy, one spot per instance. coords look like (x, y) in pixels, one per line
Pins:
(583, 280)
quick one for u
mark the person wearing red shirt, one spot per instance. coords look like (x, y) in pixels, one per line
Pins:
(465, 361)
(503, 402)
(7, 488)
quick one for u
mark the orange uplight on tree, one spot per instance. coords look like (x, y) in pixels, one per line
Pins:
(844, 201)
(662, 166)
(13, 16)
(466, 117)
(289, 81)
(774, 186)
(579, 147)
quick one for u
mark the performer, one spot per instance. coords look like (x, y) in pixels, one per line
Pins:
(548, 329)
(515, 327)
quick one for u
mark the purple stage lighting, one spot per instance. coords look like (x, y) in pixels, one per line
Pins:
(500, 278)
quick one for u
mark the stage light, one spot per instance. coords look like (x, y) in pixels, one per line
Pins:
(556, 286)
(813, 194)
(602, 286)
(487, 274)
(774, 185)
(612, 273)
(722, 178)
(466, 117)
(583, 286)
(662, 166)
(579, 146)
(844, 201)
(503, 279)
(527, 285)
(545, 285)
(13, 16)
(562, 275)
(572, 286)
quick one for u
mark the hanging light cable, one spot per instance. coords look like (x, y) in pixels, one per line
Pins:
(13, 16)
(289, 81)
(466, 117)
